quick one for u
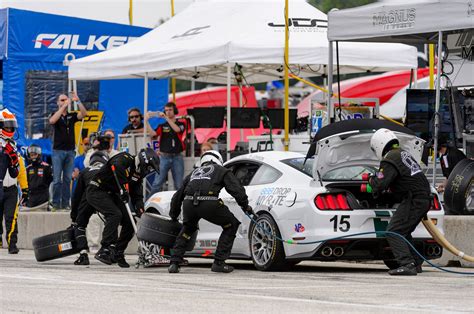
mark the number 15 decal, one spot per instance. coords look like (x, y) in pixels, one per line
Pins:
(343, 223)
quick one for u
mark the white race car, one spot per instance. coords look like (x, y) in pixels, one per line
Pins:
(312, 201)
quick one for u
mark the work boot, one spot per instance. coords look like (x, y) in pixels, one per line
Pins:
(174, 268)
(405, 270)
(83, 259)
(104, 255)
(13, 249)
(419, 269)
(119, 258)
(221, 267)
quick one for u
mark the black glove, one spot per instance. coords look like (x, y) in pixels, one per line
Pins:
(248, 210)
(124, 196)
(10, 150)
(24, 197)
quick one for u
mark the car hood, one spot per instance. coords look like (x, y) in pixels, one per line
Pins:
(353, 148)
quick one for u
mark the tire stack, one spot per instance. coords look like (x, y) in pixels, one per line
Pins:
(459, 191)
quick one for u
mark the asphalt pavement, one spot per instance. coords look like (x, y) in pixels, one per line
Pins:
(312, 287)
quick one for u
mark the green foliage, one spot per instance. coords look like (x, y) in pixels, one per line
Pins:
(327, 5)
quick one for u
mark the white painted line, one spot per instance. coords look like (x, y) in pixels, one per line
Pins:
(95, 283)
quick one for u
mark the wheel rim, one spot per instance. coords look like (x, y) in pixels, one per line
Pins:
(470, 198)
(262, 243)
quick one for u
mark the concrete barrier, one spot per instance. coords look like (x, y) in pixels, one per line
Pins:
(459, 230)
(36, 224)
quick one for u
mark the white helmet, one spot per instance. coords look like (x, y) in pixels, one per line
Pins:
(212, 155)
(380, 140)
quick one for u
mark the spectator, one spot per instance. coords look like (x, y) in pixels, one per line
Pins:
(63, 149)
(79, 161)
(170, 137)
(135, 118)
(214, 142)
(449, 158)
(111, 134)
(206, 146)
(39, 176)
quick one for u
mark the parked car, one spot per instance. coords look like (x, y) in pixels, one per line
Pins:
(312, 200)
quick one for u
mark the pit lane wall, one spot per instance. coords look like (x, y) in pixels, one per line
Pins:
(459, 230)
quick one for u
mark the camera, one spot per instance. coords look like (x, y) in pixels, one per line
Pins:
(100, 141)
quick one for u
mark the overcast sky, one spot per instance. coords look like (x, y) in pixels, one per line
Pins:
(146, 13)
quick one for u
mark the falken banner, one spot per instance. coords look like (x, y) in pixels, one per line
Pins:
(32, 49)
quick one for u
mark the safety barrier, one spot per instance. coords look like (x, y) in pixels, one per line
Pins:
(459, 230)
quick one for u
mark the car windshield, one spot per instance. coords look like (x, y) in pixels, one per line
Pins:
(348, 173)
(300, 165)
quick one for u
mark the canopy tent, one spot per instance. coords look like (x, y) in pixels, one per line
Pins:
(420, 21)
(205, 40)
(401, 21)
(200, 41)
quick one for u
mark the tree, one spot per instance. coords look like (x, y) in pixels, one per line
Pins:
(327, 5)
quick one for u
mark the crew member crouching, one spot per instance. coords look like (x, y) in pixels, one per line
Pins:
(200, 198)
(107, 196)
(400, 173)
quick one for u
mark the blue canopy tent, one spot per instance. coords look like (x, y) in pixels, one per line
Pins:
(32, 50)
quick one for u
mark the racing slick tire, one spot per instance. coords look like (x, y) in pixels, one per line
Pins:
(161, 230)
(55, 245)
(266, 251)
(458, 195)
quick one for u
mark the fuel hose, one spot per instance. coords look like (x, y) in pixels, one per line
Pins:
(434, 232)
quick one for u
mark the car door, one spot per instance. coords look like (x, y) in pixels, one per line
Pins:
(209, 233)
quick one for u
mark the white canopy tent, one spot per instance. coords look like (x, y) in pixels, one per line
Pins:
(204, 42)
(416, 21)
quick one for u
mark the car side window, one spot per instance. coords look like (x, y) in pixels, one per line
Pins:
(265, 175)
(244, 171)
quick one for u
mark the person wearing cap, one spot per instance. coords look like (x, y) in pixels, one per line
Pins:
(39, 175)
(64, 146)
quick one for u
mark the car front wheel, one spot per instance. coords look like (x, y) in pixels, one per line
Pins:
(267, 252)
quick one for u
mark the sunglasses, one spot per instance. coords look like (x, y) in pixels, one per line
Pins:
(134, 117)
(63, 99)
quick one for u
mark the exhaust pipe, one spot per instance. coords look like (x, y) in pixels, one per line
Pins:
(430, 250)
(436, 250)
(338, 251)
(326, 251)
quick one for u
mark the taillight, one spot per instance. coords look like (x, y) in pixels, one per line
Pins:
(336, 201)
(435, 205)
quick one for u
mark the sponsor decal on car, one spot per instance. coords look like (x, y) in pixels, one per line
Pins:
(272, 196)
(299, 227)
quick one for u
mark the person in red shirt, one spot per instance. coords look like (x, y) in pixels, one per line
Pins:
(170, 135)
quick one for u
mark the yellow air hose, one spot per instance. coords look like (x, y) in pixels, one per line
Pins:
(439, 237)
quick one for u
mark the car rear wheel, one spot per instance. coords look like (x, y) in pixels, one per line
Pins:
(267, 252)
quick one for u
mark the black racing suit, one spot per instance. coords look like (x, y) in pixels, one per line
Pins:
(8, 197)
(81, 210)
(400, 173)
(103, 194)
(200, 198)
(39, 176)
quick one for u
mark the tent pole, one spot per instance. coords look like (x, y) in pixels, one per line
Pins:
(145, 122)
(287, 81)
(330, 78)
(173, 80)
(241, 105)
(438, 86)
(228, 111)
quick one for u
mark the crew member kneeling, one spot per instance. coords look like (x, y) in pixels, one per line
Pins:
(400, 172)
(200, 198)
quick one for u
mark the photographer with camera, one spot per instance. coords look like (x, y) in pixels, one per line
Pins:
(64, 148)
